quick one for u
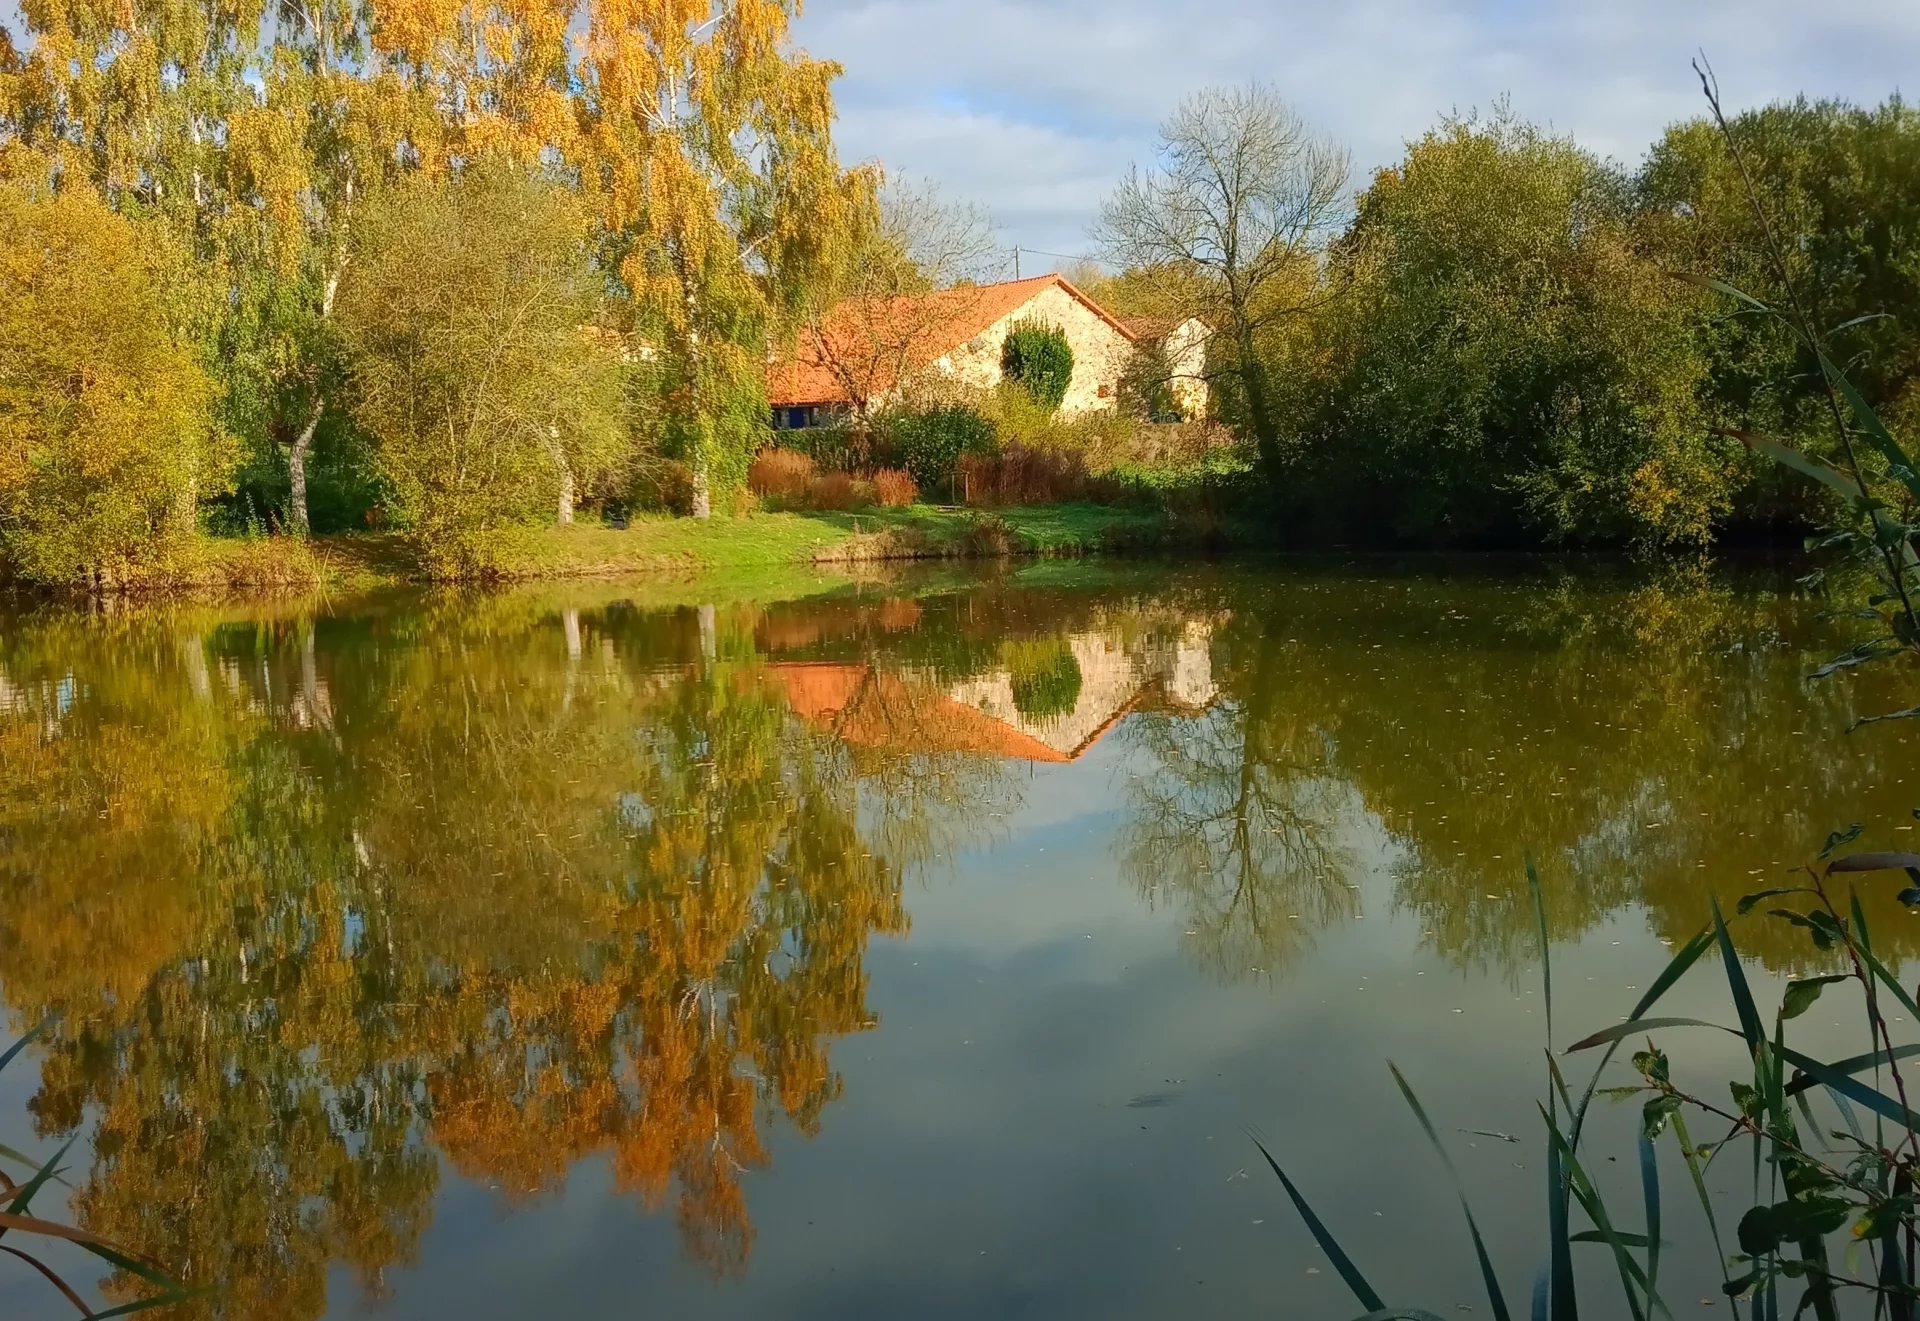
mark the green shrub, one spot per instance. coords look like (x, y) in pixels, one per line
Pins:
(1045, 677)
(929, 444)
(483, 399)
(1038, 356)
(106, 437)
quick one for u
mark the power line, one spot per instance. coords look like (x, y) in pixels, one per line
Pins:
(1042, 252)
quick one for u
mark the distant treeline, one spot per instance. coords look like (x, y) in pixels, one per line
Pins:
(1493, 344)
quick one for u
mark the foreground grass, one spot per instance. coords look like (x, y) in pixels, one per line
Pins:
(816, 550)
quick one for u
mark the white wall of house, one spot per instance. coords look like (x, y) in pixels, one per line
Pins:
(1186, 347)
(1100, 351)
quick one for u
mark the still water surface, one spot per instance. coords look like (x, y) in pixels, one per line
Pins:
(909, 950)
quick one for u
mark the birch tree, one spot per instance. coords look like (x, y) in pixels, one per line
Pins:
(708, 139)
(322, 130)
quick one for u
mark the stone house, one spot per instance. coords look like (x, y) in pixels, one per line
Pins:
(867, 350)
(1184, 344)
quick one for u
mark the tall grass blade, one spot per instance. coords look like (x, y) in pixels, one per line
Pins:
(1851, 1088)
(132, 1265)
(1635, 1026)
(1887, 979)
(1650, 1195)
(1559, 1249)
(1691, 1156)
(21, 1158)
(1894, 1273)
(1870, 424)
(1356, 1282)
(1908, 714)
(1560, 1193)
(6, 1056)
(144, 1304)
(1556, 1300)
(52, 1278)
(1631, 1275)
(1495, 1299)
(1882, 861)
(1750, 1025)
(1853, 1064)
(1720, 287)
(1683, 959)
(1595, 1236)
(1788, 457)
(1546, 951)
(24, 1198)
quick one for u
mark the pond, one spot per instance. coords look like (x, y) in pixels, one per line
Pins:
(922, 948)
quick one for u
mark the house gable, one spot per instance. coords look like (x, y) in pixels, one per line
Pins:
(869, 346)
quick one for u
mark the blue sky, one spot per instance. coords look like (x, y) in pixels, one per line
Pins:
(1034, 107)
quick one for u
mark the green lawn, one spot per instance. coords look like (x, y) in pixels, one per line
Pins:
(807, 546)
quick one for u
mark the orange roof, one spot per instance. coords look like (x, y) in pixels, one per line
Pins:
(873, 708)
(874, 337)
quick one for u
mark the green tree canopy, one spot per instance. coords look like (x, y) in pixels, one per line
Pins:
(1840, 187)
(1503, 362)
(468, 313)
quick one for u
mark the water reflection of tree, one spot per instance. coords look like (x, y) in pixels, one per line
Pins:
(459, 881)
(1650, 744)
(329, 902)
(1233, 820)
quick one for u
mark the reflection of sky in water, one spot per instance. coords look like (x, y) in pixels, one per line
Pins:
(1050, 1116)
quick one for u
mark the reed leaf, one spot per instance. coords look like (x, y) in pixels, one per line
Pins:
(1356, 1282)
(1495, 1299)
(1852, 1088)
(51, 1276)
(6, 1056)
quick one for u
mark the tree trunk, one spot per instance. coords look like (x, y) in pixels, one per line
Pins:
(564, 514)
(1266, 433)
(709, 634)
(702, 478)
(297, 452)
(702, 493)
(193, 652)
(297, 469)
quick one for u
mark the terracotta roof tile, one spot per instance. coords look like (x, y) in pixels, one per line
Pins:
(927, 327)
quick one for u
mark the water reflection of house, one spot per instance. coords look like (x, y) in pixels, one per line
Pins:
(911, 709)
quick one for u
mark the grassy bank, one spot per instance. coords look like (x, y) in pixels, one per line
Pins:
(805, 546)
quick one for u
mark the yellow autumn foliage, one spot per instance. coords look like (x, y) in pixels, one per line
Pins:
(106, 440)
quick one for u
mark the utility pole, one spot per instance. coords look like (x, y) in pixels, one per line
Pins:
(1016, 261)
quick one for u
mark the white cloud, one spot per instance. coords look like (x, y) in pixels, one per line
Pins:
(1034, 106)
